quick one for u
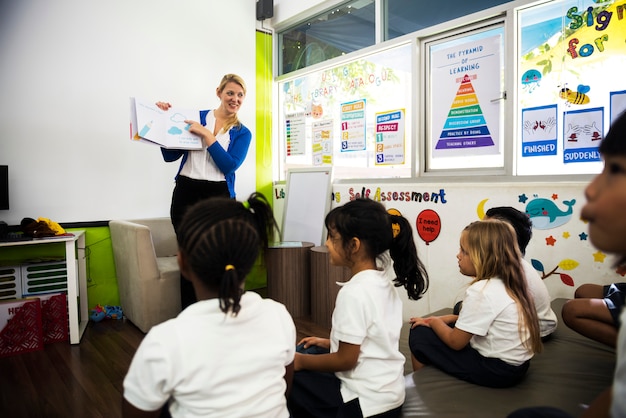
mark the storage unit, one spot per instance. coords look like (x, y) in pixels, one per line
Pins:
(38, 278)
(289, 276)
(10, 282)
(324, 287)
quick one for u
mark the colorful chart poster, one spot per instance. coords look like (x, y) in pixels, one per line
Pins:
(539, 131)
(466, 108)
(295, 126)
(390, 137)
(353, 126)
(582, 133)
(323, 142)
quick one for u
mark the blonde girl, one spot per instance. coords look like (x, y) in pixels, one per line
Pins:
(492, 340)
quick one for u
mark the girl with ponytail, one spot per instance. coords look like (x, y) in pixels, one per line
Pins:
(358, 372)
(231, 352)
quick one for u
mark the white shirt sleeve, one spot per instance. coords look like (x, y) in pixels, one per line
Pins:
(147, 384)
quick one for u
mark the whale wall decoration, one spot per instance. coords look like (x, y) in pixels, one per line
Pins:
(544, 213)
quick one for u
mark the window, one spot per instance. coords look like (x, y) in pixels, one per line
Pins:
(526, 89)
(464, 106)
(571, 84)
(343, 29)
(406, 16)
(352, 26)
(353, 116)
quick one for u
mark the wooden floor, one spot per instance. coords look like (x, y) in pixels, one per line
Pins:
(83, 380)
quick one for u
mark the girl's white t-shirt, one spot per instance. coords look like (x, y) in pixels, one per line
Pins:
(368, 312)
(492, 316)
(213, 364)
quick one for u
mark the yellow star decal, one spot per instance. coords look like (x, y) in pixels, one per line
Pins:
(599, 257)
(566, 235)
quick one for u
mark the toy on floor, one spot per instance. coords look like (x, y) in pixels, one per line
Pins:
(107, 311)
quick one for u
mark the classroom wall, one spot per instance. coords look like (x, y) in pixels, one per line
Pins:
(68, 68)
(560, 249)
(67, 71)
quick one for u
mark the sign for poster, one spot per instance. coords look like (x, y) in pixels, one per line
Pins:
(353, 126)
(465, 102)
(390, 137)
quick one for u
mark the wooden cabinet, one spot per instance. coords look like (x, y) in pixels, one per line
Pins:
(324, 287)
(289, 276)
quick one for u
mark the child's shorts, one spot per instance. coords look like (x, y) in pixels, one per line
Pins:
(614, 295)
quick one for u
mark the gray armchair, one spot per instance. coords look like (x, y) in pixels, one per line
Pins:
(148, 276)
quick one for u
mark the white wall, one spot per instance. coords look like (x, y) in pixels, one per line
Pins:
(67, 70)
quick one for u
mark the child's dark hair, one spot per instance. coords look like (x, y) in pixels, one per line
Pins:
(614, 143)
(368, 221)
(519, 221)
(221, 239)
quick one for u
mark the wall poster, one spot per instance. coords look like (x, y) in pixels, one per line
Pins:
(390, 137)
(337, 109)
(572, 56)
(464, 101)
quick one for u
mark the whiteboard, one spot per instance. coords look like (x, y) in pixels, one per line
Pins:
(306, 203)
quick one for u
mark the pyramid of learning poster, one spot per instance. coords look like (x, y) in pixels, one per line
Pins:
(465, 125)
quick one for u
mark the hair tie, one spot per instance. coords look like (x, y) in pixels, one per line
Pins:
(229, 267)
(246, 204)
(395, 226)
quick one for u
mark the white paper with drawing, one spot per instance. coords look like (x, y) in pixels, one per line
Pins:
(165, 128)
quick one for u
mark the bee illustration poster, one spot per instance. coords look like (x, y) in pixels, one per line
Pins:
(582, 132)
(572, 55)
(465, 98)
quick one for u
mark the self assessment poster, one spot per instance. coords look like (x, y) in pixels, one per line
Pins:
(465, 98)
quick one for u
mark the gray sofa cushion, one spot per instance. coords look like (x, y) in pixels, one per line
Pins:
(572, 370)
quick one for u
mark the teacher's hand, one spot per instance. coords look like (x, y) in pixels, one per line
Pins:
(163, 105)
(196, 128)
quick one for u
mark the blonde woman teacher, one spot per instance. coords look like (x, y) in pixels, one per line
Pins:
(209, 172)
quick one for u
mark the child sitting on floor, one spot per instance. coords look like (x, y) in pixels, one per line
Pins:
(492, 340)
(230, 354)
(594, 312)
(358, 372)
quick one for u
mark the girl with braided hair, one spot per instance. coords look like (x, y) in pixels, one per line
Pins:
(358, 372)
(230, 354)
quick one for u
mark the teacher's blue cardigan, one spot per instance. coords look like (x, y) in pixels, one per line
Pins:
(227, 160)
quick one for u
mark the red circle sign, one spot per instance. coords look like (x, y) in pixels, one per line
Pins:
(428, 225)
